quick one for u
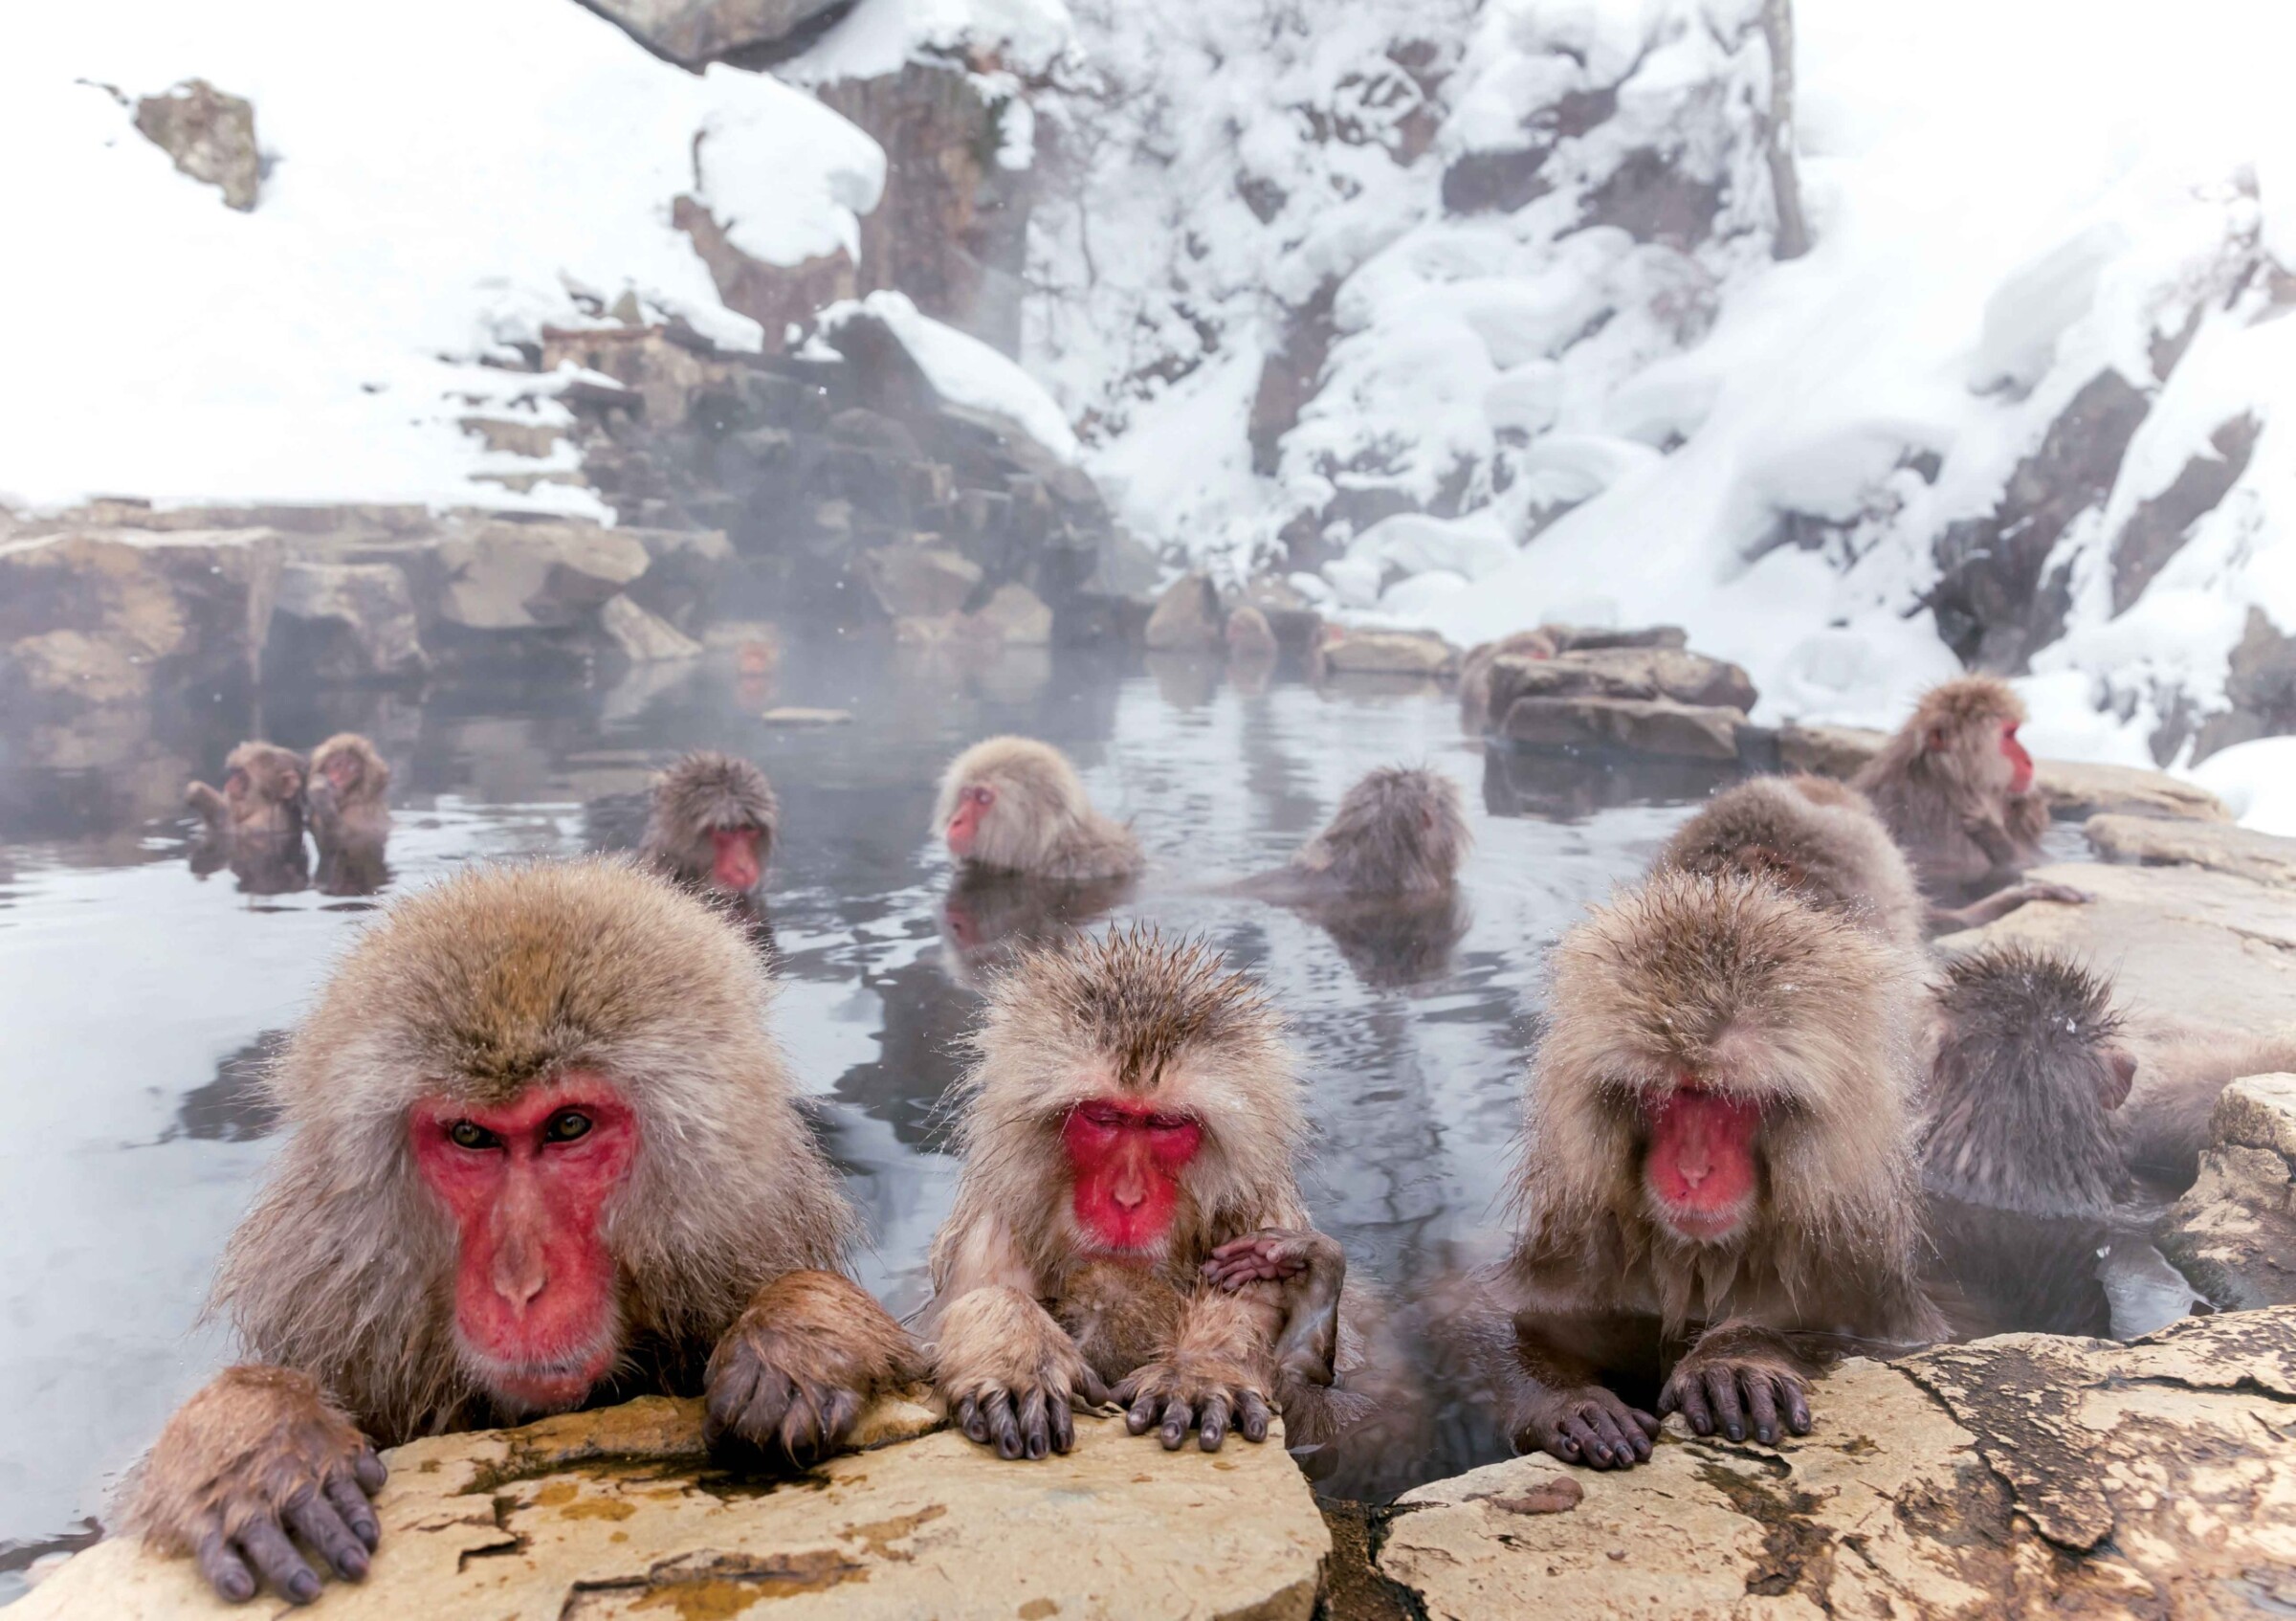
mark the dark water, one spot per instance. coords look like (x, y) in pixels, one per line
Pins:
(139, 1000)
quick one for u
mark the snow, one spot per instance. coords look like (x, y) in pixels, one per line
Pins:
(439, 189)
(878, 35)
(2257, 782)
(965, 371)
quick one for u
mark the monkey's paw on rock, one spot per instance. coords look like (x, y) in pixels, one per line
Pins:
(2022, 1475)
(620, 1513)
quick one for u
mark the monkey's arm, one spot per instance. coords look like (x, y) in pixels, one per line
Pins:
(1945, 919)
(1312, 1270)
(1736, 1374)
(1986, 831)
(257, 1454)
(1552, 1401)
(1009, 1373)
(1220, 1365)
(208, 803)
(796, 1368)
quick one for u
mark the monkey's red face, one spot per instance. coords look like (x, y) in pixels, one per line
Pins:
(1125, 1163)
(528, 1185)
(2021, 764)
(1700, 1169)
(973, 803)
(343, 771)
(734, 863)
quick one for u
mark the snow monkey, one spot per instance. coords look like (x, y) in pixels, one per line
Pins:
(261, 800)
(1822, 840)
(350, 818)
(1474, 674)
(1955, 788)
(2181, 1072)
(712, 825)
(543, 1155)
(1127, 1216)
(1719, 1137)
(1398, 832)
(1015, 804)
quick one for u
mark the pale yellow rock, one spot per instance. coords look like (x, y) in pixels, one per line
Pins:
(2156, 842)
(2181, 944)
(616, 1514)
(2234, 1230)
(2072, 787)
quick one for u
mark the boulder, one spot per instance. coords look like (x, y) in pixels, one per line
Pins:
(686, 571)
(1827, 751)
(1186, 618)
(2152, 842)
(1384, 653)
(1591, 638)
(2183, 942)
(2077, 789)
(692, 32)
(1015, 617)
(921, 581)
(1633, 673)
(1250, 635)
(2020, 1475)
(211, 135)
(506, 576)
(619, 1513)
(1655, 726)
(643, 637)
(344, 622)
(2234, 1230)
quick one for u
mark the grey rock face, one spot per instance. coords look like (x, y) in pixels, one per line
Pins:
(209, 134)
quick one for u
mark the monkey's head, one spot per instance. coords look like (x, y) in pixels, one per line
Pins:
(1721, 1063)
(259, 780)
(1399, 831)
(1004, 802)
(1814, 837)
(345, 771)
(1968, 725)
(2028, 1066)
(713, 822)
(536, 1118)
(1134, 1096)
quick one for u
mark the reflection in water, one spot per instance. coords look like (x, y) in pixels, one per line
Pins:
(988, 918)
(1566, 783)
(263, 866)
(236, 1105)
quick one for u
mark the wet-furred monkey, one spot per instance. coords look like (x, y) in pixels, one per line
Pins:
(1398, 832)
(1718, 1168)
(1014, 805)
(255, 823)
(1127, 1218)
(542, 1154)
(711, 825)
(1955, 787)
(351, 814)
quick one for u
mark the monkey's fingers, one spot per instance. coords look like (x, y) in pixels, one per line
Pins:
(350, 1502)
(263, 1542)
(1003, 1425)
(223, 1567)
(1251, 1417)
(2064, 893)
(1090, 1386)
(1798, 1406)
(1179, 1417)
(1211, 1425)
(1620, 1438)
(370, 1471)
(316, 1521)
(1761, 1406)
(1062, 1425)
(1683, 1395)
(1036, 1431)
(1581, 1444)
(1722, 1389)
(1142, 1413)
(730, 1390)
(972, 1420)
(760, 1421)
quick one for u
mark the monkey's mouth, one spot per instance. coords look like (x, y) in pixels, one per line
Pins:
(558, 1382)
(1702, 1226)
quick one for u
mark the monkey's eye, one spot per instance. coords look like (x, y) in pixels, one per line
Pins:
(984, 797)
(1169, 1122)
(565, 1125)
(467, 1134)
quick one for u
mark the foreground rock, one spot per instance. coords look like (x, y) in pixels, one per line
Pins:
(2024, 1474)
(2182, 942)
(209, 134)
(2235, 1232)
(617, 1513)
(2149, 841)
(690, 33)
(2074, 789)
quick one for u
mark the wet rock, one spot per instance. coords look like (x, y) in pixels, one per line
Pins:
(525, 576)
(345, 623)
(617, 1513)
(1827, 751)
(2234, 1230)
(1624, 673)
(1653, 726)
(2024, 1475)
(1186, 618)
(2183, 942)
(209, 134)
(2154, 842)
(106, 615)
(1419, 654)
(790, 715)
(1290, 614)
(777, 296)
(643, 637)
(2157, 529)
(2076, 788)
(2260, 684)
(692, 32)
(919, 581)
(686, 572)
(1593, 638)
(1015, 617)
(1248, 633)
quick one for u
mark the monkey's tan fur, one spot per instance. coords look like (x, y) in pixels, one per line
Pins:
(2180, 1075)
(703, 793)
(1762, 997)
(1817, 838)
(268, 808)
(1399, 831)
(1474, 674)
(1042, 823)
(1941, 785)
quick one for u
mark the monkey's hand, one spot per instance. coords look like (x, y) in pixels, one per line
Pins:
(1313, 1269)
(1200, 1391)
(205, 800)
(256, 1454)
(1740, 1384)
(1588, 1425)
(796, 1368)
(1989, 835)
(2065, 894)
(1009, 1373)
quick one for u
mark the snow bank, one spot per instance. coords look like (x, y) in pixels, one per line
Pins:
(2257, 782)
(965, 371)
(878, 35)
(438, 186)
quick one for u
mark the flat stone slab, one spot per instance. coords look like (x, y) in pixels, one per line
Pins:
(2020, 1475)
(2150, 842)
(2074, 789)
(616, 1513)
(2234, 1232)
(2182, 943)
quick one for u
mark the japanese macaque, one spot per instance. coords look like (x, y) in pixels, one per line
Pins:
(1398, 832)
(1250, 639)
(542, 1154)
(255, 823)
(350, 817)
(1474, 674)
(1127, 1218)
(1014, 805)
(712, 825)
(1719, 1137)
(1955, 787)
(1822, 839)
(2181, 1071)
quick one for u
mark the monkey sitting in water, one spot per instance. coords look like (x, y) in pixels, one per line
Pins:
(349, 814)
(1014, 805)
(710, 826)
(254, 825)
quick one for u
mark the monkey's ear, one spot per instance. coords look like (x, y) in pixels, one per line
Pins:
(1936, 740)
(2124, 1075)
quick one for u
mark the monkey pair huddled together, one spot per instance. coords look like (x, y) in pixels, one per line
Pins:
(255, 823)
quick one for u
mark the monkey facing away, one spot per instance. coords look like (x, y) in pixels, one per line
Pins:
(1399, 831)
(349, 814)
(542, 1154)
(1955, 787)
(2181, 1071)
(1717, 1159)
(1474, 674)
(255, 823)
(711, 825)
(1127, 1216)
(1015, 804)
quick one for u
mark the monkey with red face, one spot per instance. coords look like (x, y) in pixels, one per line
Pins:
(541, 1155)
(1954, 786)
(254, 824)
(712, 825)
(1127, 1216)
(349, 814)
(1015, 804)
